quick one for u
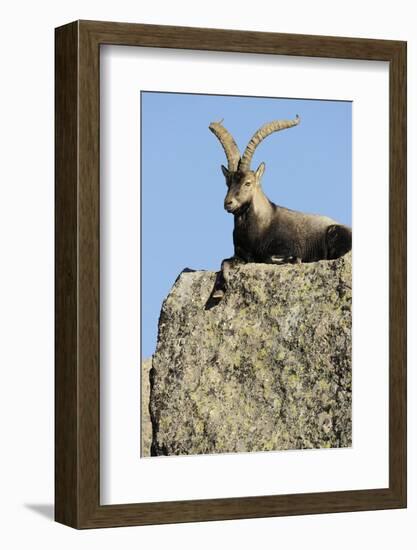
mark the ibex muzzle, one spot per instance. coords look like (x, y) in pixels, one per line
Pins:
(263, 231)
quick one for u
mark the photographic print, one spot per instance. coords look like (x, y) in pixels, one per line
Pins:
(204, 182)
(245, 274)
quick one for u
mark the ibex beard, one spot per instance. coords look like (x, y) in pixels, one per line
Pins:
(263, 231)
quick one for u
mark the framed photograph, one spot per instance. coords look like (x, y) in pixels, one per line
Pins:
(230, 274)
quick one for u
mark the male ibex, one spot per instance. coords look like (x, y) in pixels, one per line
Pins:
(265, 232)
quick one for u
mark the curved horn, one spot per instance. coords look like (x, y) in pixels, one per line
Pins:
(228, 144)
(260, 135)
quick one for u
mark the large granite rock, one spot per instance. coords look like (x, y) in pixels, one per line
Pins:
(146, 425)
(268, 368)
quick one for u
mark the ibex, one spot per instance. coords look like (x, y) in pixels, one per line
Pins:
(263, 231)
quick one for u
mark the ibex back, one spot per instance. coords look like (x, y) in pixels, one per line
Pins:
(263, 231)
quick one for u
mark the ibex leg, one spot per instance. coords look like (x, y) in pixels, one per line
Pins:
(223, 276)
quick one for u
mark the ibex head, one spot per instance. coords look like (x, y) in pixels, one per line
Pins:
(241, 187)
(242, 182)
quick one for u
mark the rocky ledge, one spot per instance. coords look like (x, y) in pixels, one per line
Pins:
(268, 368)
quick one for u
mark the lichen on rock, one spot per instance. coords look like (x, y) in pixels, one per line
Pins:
(145, 421)
(268, 368)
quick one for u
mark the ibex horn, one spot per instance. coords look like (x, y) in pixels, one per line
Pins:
(260, 135)
(228, 144)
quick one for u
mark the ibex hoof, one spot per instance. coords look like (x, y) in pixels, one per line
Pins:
(285, 260)
(278, 259)
(218, 294)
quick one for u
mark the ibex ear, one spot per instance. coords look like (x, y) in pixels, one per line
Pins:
(259, 172)
(225, 171)
(226, 174)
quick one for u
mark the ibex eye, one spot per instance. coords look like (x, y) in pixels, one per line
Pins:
(247, 183)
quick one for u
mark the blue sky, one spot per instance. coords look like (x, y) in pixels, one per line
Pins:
(308, 168)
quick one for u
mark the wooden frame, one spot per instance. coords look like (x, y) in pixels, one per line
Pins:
(77, 406)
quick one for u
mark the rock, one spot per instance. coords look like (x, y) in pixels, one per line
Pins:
(268, 368)
(146, 425)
